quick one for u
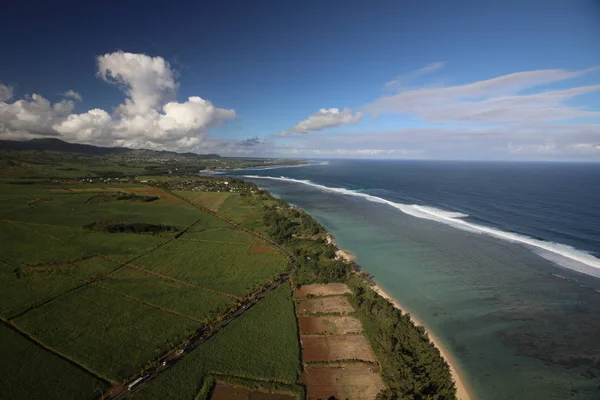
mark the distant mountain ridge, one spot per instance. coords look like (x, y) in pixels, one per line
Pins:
(52, 144)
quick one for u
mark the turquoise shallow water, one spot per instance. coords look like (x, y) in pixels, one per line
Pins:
(519, 326)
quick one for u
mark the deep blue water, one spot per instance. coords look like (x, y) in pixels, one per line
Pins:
(488, 255)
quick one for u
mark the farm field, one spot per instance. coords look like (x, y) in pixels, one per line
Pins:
(210, 200)
(336, 348)
(26, 287)
(94, 307)
(220, 234)
(330, 289)
(324, 305)
(329, 325)
(223, 391)
(40, 204)
(92, 325)
(337, 358)
(347, 381)
(47, 376)
(261, 345)
(229, 268)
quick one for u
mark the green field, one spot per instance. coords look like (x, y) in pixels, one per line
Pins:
(109, 334)
(221, 234)
(71, 290)
(229, 268)
(260, 345)
(210, 200)
(186, 300)
(32, 286)
(30, 373)
(72, 208)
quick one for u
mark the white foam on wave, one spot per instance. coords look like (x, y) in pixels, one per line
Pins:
(556, 252)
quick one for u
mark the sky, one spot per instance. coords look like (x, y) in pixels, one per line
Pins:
(435, 79)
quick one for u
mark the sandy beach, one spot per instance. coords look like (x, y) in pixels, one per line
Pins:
(462, 392)
(346, 255)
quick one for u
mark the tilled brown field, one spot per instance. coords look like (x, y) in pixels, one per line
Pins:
(339, 305)
(348, 381)
(329, 325)
(331, 341)
(336, 348)
(226, 392)
(322, 290)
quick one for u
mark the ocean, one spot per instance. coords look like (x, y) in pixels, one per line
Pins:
(501, 261)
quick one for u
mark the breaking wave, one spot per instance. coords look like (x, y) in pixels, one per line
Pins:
(561, 254)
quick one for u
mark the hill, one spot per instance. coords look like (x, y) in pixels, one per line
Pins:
(53, 144)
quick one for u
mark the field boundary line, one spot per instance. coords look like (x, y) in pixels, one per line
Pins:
(166, 277)
(30, 338)
(252, 379)
(167, 310)
(58, 296)
(214, 241)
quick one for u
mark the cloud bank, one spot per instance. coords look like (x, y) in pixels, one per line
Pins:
(494, 101)
(149, 117)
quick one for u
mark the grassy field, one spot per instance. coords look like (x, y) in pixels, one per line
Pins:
(118, 246)
(40, 374)
(17, 247)
(109, 334)
(260, 345)
(222, 267)
(71, 290)
(72, 208)
(29, 287)
(189, 301)
(210, 200)
(221, 234)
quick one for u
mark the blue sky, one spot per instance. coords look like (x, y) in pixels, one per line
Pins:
(392, 79)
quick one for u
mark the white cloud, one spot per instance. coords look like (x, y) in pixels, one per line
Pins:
(33, 115)
(402, 79)
(6, 92)
(325, 118)
(147, 81)
(71, 94)
(149, 116)
(497, 100)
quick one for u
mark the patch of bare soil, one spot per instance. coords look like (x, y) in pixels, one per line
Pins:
(349, 381)
(322, 290)
(339, 305)
(336, 348)
(258, 248)
(329, 325)
(223, 391)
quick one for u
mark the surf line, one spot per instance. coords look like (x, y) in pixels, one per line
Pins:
(454, 219)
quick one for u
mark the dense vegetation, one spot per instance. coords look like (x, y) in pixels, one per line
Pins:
(120, 196)
(133, 227)
(412, 366)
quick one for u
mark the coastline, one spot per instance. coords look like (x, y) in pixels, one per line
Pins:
(462, 390)
(339, 253)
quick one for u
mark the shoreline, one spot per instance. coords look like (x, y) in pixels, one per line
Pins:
(339, 253)
(462, 390)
